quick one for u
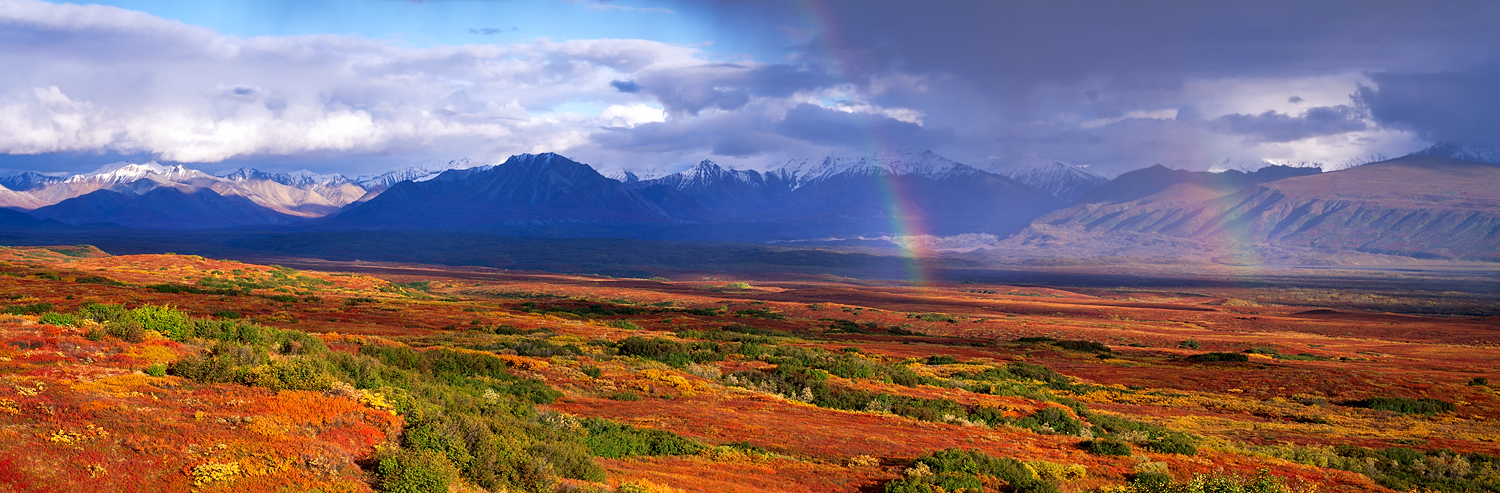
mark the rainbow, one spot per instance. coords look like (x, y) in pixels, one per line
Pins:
(901, 211)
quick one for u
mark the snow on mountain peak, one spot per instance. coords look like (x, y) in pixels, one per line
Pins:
(1063, 180)
(299, 179)
(423, 171)
(125, 172)
(623, 175)
(896, 163)
(1456, 150)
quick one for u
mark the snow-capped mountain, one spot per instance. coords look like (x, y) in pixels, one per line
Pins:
(300, 179)
(421, 172)
(708, 173)
(856, 194)
(124, 172)
(623, 175)
(526, 189)
(29, 180)
(1455, 150)
(800, 173)
(1065, 181)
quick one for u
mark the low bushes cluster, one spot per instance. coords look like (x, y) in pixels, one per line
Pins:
(1399, 468)
(589, 311)
(1219, 357)
(968, 470)
(1403, 405)
(1101, 446)
(1070, 345)
(31, 309)
(467, 417)
(607, 438)
(1262, 482)
(810, 384)
(183, 288)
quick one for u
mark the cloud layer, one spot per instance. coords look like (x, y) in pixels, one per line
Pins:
(1116, 85)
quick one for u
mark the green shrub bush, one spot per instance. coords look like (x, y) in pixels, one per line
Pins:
(32, 309)
(416, 471)
(941, 359)
(54, 318)
(610, 439)
(1404, 405)
(1173, 443)
(1219, 357)
(1105, 447)
(1262, 482)
(165, 320)
(967, 470)
(1055, 419)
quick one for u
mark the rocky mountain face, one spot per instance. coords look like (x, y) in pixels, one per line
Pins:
(525, 190)
(1418, 206)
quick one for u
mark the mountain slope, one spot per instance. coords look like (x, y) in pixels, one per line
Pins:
(1144, 182)
(164, 208)
(526, 189)
(12, 199)
(1419, 206)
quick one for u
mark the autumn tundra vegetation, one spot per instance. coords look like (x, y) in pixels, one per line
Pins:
(184, 373)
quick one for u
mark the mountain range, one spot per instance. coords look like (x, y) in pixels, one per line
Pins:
(1432, 203)
(1417, 206)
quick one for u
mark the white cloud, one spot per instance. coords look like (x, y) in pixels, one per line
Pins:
(630, 115)
(94, 78)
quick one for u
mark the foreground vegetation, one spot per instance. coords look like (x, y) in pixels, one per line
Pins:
(552, 383)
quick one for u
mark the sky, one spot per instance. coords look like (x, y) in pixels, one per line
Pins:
(365, 86)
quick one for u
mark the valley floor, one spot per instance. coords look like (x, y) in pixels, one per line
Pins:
(1342, 381)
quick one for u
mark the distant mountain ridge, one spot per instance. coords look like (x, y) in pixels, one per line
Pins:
(526, 189)
(168, 207)
(1418, 206)
(1145, 182)
(851, 195)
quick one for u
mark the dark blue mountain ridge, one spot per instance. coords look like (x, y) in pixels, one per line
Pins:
(527, 189)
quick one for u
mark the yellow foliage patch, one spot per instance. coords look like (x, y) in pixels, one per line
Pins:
(524, 363)
(215, 471)
(153, 353)
(643, 486)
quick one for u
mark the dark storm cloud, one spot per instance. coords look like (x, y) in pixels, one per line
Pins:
(1281, 127)
(841, 129)
(989, 68)
(687, 91)
(723, 134)
(1457, 106)
(1069, 39)
(757, 131)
